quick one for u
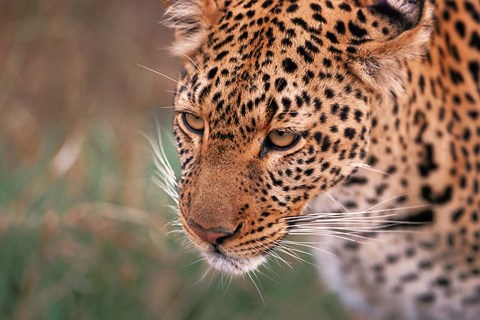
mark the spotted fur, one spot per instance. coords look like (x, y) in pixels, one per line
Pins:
(385, 99)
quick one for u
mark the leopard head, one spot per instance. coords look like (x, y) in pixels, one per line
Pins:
(273, 106)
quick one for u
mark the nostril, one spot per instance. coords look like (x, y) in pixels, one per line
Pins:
(234, 233)
(212, 235)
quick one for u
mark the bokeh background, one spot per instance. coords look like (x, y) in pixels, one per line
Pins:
(83, 230)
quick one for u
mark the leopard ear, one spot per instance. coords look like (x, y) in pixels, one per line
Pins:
(191, 20)
(378, 62)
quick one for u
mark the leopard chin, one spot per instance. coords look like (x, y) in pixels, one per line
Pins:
(230, 264)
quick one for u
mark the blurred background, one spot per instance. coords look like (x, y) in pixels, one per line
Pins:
(83, 230)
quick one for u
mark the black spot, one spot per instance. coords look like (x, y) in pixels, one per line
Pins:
(317, 16)
(460, 27)
(361, 17)
(211, 74)
(315, 7)
(325, 144)
(345, 6)
(344, 113)
(428, 165)
(474, 67)
(457, 214)
(475, 41)
(349, 133)
(409, 277)
(221, 55)
(356, 30)
(438, 198)
(304, 54)
(280, 84)
(292, 8)
(340, 27)
(427, 297)
(473, 12)
(329, 93)
(416, 220)
(330, 36)
(456, 76)
(318, 137)
(300, 22)
(356, 180)
(289, 66)
(358, 115)
(267, 3)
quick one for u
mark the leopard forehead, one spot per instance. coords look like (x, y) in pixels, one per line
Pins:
(263, 64)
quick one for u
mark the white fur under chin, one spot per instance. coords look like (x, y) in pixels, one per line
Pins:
(233, 265)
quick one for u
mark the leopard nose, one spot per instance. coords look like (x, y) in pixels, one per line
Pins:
(212, 235)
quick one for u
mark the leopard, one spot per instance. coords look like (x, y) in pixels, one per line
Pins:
(354, 123)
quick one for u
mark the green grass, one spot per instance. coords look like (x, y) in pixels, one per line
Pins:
(71, 247)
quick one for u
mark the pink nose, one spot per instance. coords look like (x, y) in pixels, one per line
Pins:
(213, 235)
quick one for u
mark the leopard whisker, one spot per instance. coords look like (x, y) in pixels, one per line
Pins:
(338, 235)
(292, 252)
(194, 262)
(202, 277)
(369, 168)
(386, 201)
(320, 215)
(182, 54)
(337, 202)
(174, 232)
(275, 255)
(256, 287)
(340, 218)
(158, 72)
(164, 177)
(229, 283)
(308, 245)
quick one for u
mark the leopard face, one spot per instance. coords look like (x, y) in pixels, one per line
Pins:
(273, 108)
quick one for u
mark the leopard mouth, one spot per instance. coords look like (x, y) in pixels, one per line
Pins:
(231, 264)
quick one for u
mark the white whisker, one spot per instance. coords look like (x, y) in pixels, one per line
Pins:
(158, 72)
(306, 245)
(368, 168)
(256, 287)
(182, 54)
(202, 277)
(164, 176)
(337, 202)
(320, 215)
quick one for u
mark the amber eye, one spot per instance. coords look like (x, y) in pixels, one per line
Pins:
(193, 123)
(282, 140)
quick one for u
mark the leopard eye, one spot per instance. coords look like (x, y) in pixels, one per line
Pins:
(282, 140)
(193, 123)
